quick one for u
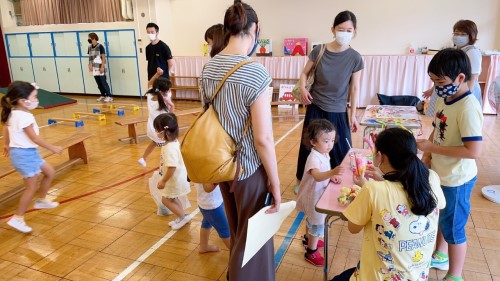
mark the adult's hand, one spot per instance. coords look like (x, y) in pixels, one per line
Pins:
(355, 126)
(306, 96)
(276, 192)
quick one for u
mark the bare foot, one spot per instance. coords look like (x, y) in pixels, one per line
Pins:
(208, 249)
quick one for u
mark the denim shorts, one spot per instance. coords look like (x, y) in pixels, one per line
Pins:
(216, 218)
(453, 218)
(317, 230)
(26, 161)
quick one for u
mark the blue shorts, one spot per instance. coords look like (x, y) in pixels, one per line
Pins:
(453, 218)
(26, 161)
(317, 230)
(216, 218)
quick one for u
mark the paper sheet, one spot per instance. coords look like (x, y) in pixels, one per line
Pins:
(262, 226)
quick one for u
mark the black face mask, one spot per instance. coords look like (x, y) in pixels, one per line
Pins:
(90, 41)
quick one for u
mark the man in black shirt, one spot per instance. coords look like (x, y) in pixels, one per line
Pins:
(158, 54)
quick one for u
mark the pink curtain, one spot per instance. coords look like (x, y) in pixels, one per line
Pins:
(389, 75)
(38, 12)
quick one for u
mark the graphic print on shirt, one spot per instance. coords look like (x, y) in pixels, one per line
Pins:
(382, 232)
(418, 256)
(423, 276)
(389, 219)
(420, 225)
(401, 209)
(385, 257)
(384, 244)
(442, 124)
(394, 277)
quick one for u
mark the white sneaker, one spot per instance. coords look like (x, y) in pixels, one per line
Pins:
(182, 222)
(45, 204)
(101, 98)
(172, 223)
(19, 224)
(108, 99)
(163, 211)
(142, 162)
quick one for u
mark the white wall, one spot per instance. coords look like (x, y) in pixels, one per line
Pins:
(384, 26)
(7, 15)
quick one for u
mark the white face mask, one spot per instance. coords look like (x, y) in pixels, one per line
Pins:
(151, 36)
(30, 105)
(343, 38)
(460, 41)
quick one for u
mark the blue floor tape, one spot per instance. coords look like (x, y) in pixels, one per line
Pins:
(278, 257)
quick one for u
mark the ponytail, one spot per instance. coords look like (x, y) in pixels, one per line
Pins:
(238, 19)
(400, 147)
(6, 109)
(160, 85)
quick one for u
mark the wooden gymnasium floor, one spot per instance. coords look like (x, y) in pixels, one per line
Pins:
(101, 235)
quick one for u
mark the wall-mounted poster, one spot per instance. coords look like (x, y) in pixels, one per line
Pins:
(265, 48)
(295, 46)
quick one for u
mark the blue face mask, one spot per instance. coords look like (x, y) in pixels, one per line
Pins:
(446, 90)
(254, 44)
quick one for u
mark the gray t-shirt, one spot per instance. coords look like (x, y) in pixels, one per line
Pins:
(333, 74)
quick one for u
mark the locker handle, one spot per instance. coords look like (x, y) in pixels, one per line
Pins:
(69, 69)
(21, 68)
(44, 68)
(123, 70)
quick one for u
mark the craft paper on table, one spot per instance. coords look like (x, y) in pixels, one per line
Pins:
(262, 227)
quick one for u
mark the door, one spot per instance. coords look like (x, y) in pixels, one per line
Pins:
(21, 69)
(69, 71)
(66, 44)
(88, 78)
(41, 44)
(124, 76)
(17, 45)
(45, 73)
(121, 43)
(84, 45)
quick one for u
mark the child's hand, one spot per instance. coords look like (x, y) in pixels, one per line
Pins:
(159, 71)
(373, 172)
(161, 184)
(336, 179)
(424, 145)
(339, 170)
(57, 149)
(359, 180)
(6, 151)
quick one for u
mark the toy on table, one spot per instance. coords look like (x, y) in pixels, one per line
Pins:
(347, 194)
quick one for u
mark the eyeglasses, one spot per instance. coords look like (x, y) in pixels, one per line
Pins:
(460, 34)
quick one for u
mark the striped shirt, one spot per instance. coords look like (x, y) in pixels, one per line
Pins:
(233, 102)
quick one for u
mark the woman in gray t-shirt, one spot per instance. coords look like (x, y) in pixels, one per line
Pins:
(337, 80)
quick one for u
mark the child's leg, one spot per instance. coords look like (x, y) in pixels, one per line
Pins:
(48, 176)
(313, 242)
(148, 150)
(456, 255)
(174, 205)
(441, 244)
(204, 246)
(217, 218)
(27, 196)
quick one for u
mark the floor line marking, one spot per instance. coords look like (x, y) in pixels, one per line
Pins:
(150, 251)
(280, 254)
(165, 238)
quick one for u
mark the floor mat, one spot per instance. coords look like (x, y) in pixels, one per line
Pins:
(48, 99)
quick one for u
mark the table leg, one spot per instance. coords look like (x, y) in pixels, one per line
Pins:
(328, 224)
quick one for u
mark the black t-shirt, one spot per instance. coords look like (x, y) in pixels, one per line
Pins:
(157, 56)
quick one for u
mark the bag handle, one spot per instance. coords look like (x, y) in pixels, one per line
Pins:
(318, 58)
(219, 87)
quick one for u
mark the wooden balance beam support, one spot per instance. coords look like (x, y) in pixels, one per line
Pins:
(76, 152)
(100, 116)
(122, 105)
(132, 123)
(55, 120)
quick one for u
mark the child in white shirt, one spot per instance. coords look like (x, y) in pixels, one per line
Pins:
(21, 139)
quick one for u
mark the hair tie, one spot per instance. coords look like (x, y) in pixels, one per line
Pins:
(157, 90)
(166, 127)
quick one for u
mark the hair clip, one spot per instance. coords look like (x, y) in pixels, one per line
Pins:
(166, 127)
(157, 90)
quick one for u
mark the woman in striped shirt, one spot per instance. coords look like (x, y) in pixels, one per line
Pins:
(241, 97)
